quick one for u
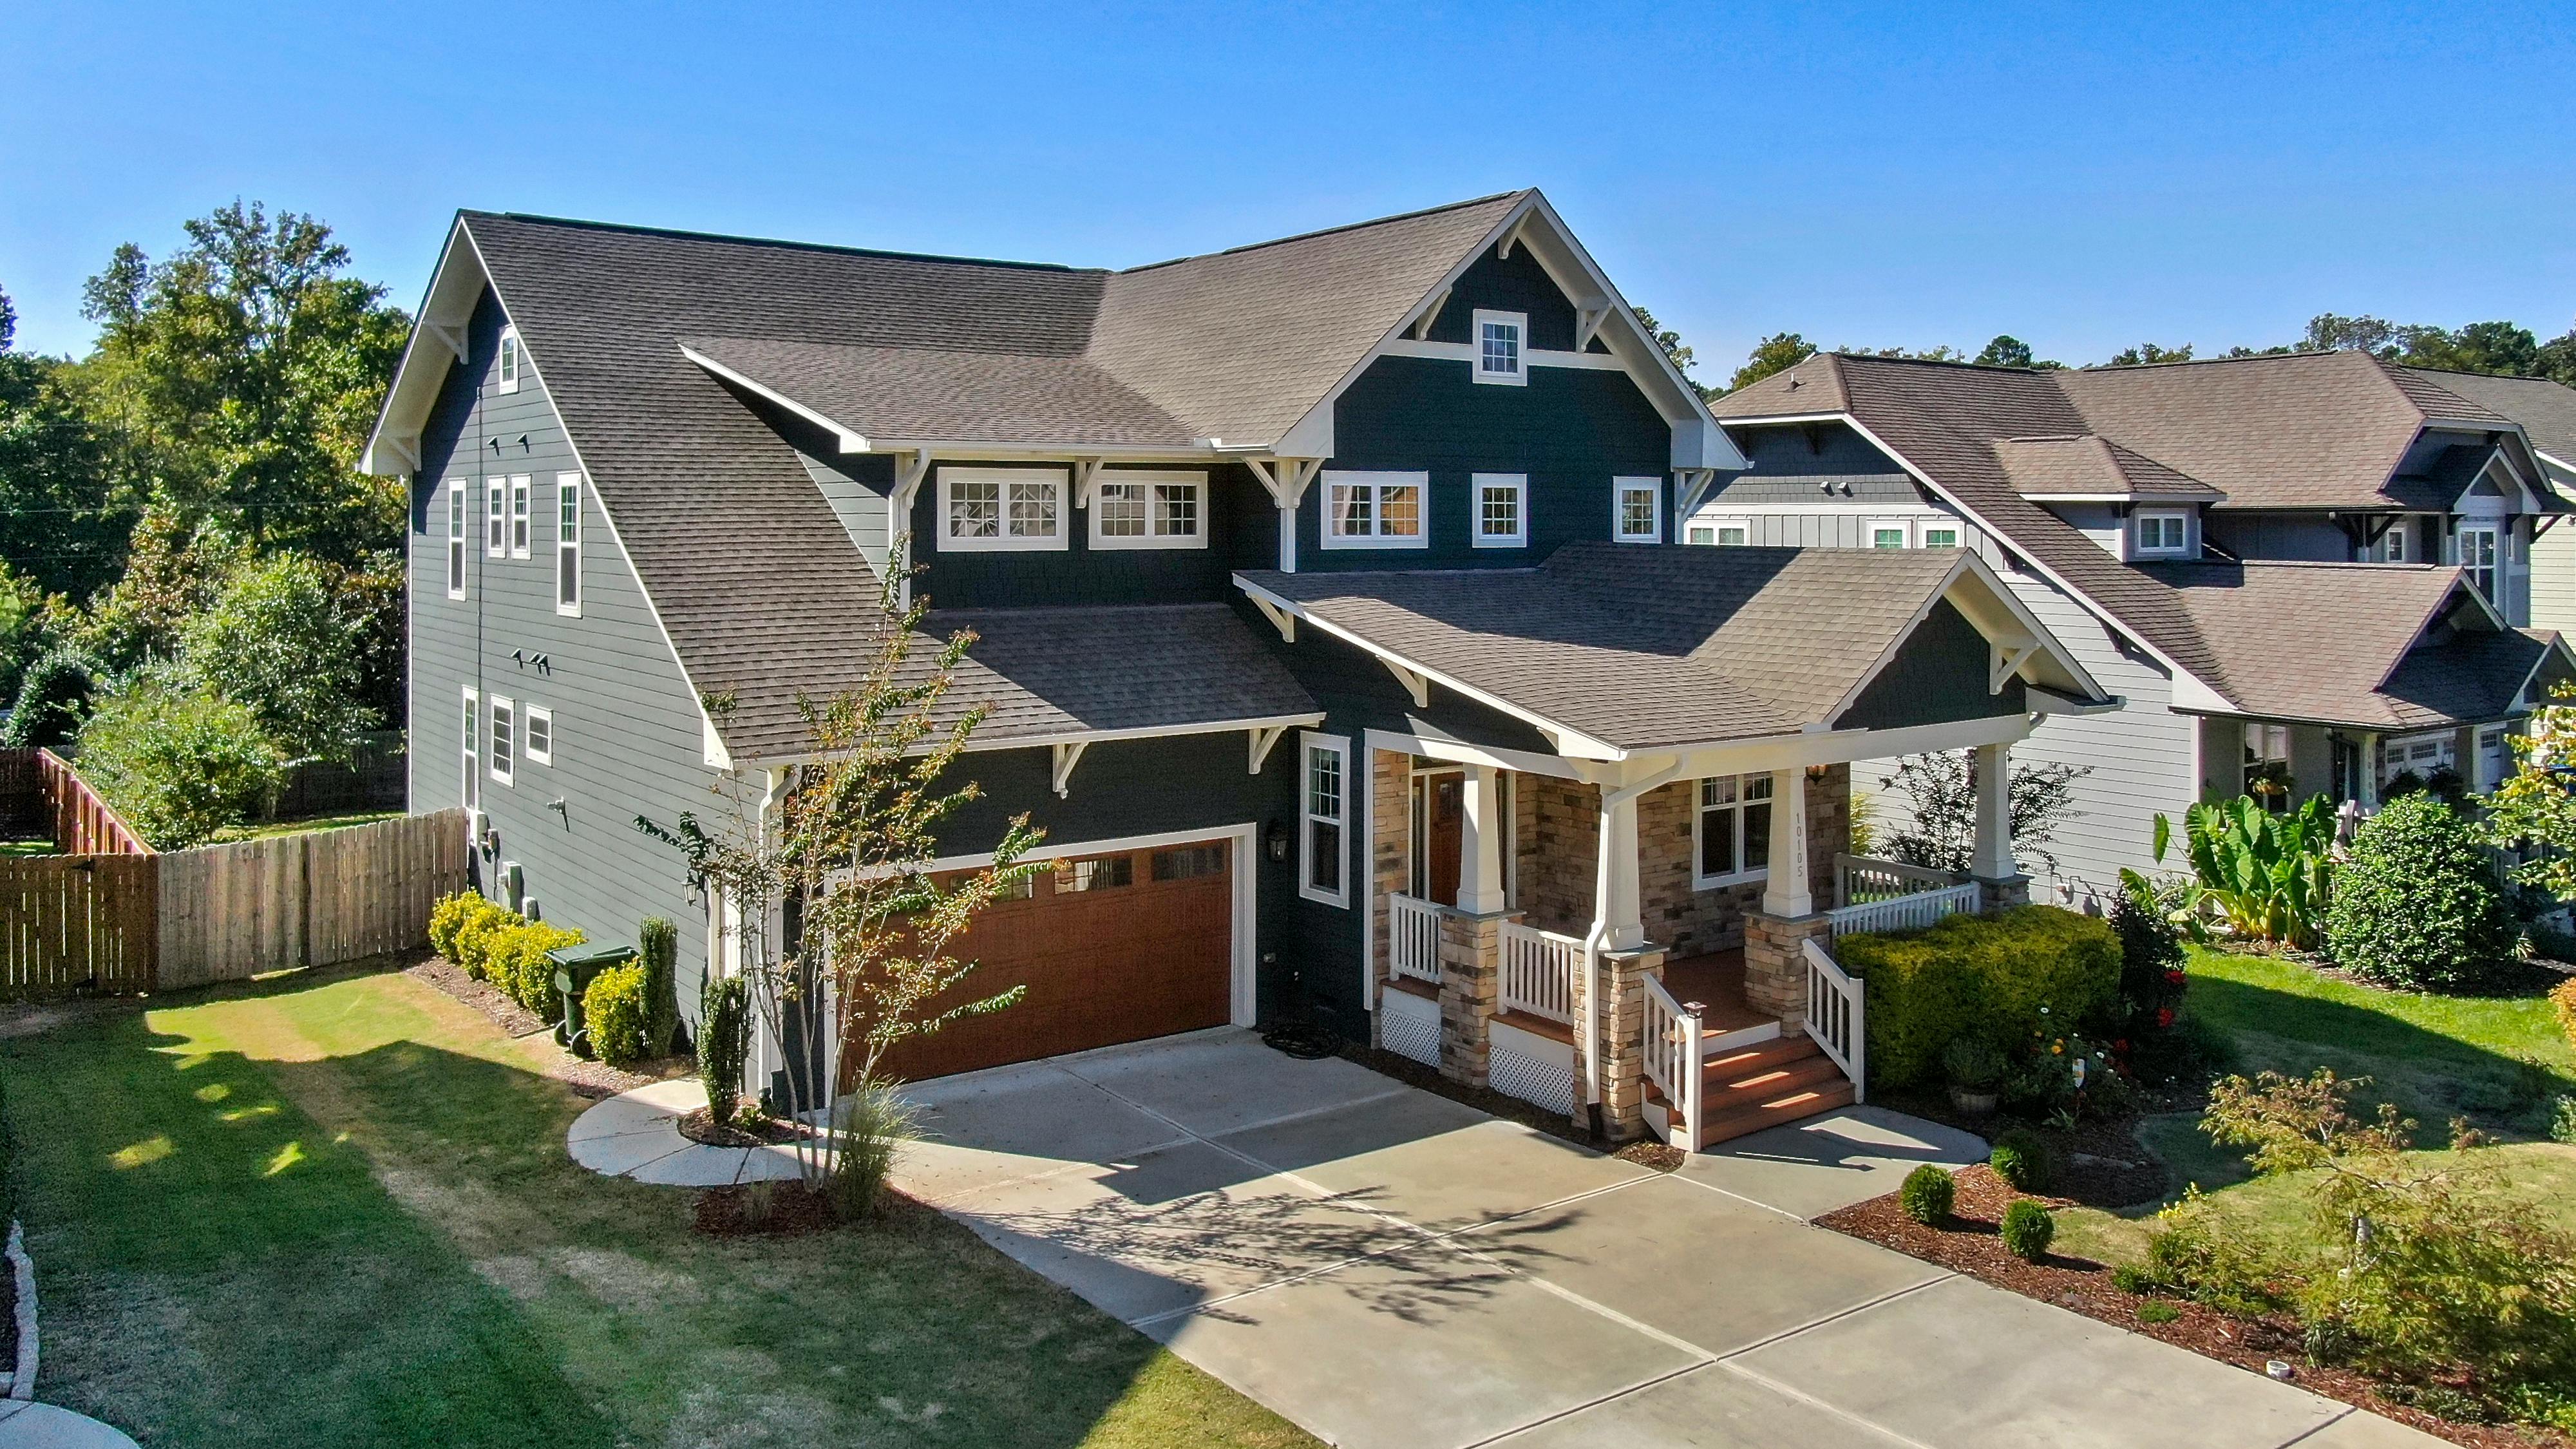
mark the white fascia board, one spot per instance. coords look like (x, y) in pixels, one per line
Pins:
(1837, 747)
(2190, 696)
(975, 745)
(1570, 742)
(395, 439)
(2557, 645)
(1435, 747)
(851, 439)
(2175, 500)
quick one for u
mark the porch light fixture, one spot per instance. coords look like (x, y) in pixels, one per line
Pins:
(1816, 773)
(1274, 840)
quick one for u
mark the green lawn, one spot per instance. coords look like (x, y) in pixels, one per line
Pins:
(26, 847)
(338, 1211)
(267, 828)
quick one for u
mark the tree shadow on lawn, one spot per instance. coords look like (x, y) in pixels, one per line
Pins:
(297, 1214)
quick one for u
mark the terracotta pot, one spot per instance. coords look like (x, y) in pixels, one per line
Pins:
(1975, 1101)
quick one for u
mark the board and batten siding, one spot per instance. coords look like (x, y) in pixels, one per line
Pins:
(2553, 578)
(628, 736)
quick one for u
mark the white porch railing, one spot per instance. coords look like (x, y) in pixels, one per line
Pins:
(1539, 971)
(1837, 1016)
(1673, 1063)
(1413, 939)
(1860, 879)
(1905, 912)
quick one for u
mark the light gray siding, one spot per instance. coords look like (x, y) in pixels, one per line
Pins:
(628, 737)
(863, 511)
(2552, 581)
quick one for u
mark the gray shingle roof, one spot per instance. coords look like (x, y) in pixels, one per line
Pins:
(1056, 672)
(1644, 646)
(922, 393)
(2090, 466)
(2546, 410)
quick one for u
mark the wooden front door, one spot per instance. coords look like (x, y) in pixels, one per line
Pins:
(1112, 948)
(1440, 822)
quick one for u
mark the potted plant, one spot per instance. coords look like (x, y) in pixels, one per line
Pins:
(1975, 1070)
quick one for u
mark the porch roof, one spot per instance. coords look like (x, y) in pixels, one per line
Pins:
(1645, 647)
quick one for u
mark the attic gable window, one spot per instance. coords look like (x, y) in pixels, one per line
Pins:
(1001, 510)
(1502, 347)
(1136, 509)
(510, 360)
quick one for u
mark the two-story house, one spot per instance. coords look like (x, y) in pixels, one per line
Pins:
(2305, 574)
(1327, 620)
(2547, 412)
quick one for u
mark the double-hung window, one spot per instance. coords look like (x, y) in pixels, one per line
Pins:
(539, 745)
(1135, 509)
(2392, 544)
(1732, 830)
(1637, 510)
(496, 517)
(503, 740)
(1940, 535)
(1375, 510)
(456, 491)
(511, 361)
(2478, 551)
(1324, 808)
(568, 543)
(519, 515)
(1001, 510)
(473, 772)
(2157, 534)
(1502, 347)
(1888, 533)
(1502, 510)
(2267, 764)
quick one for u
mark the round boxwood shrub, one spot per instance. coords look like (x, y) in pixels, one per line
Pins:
(2417, 905)
(2021, 1159)
(1980, 976)
(2027, 1228)
(1927, 1195)
(617, 1013)
(53, 701)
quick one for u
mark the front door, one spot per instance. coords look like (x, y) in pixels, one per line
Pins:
(1439, 826)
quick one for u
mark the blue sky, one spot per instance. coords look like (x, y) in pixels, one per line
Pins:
(2084, 177)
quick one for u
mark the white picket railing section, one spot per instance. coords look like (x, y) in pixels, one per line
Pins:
(1673, 1063)
(1836, 1016)
(1860, 879)
(1539, 971)
(1413, 938)
(1903, 913)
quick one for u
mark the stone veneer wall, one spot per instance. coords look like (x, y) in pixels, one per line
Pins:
(1556, 830)
(1390, 848)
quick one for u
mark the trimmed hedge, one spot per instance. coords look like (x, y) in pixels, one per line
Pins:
(617, 1014)
(2417, 906)
(2002, 977)
(517, 963)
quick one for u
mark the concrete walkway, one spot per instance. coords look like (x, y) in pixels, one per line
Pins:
(1386, 1267)
(26, 1425)
(637, 1134)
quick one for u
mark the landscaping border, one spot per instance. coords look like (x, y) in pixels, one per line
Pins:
(22, 1268)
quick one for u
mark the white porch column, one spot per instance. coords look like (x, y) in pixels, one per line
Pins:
(1620, 910)
(1288, 538)
(1788, 893)
(1993, 859)
(1480, 845)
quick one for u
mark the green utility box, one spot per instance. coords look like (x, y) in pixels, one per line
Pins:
(574, 968)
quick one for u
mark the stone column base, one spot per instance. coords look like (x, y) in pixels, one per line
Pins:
(1471, 959)
(1775, 967)
(1622, 1025)
(1996, 895)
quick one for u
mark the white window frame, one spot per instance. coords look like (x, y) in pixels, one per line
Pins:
(501, 761)
(1924, 530)
(510, 360)
(1715, 529)
(2493, 568)
(1517, 484)
(1518, 375)
(2180, 518)
(1151, 481)
(473, 756)
(1903, 528)
(1620, 488)
(568, 543)
(527, 740)
(1053, 479)
(1734, 811)
(1377, 484)
(2392, 544)
(496, 517)
(1309, 746)
(458, 495)
(520, 485)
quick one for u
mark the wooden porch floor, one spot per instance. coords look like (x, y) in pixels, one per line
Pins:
(1716, 981)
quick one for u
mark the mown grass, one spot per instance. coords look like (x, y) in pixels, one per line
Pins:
(339, 1212)
(268, 829)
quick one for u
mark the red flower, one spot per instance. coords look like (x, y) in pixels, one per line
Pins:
(2121, 1046)
(2164, 1016)
(2173, 978)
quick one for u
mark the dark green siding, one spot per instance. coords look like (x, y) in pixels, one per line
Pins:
(1937, 677)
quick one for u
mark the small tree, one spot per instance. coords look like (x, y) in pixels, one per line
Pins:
(1939, 828)
(53, 701)
(178, 764)
(2536, 804)
(275, 640)
(849, 837)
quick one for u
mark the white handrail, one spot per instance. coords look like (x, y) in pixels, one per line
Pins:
(1413, 938)
(1673, 1062)
(1859, 879)
(1902, 913)
(1837, 1016)
(1538, 972)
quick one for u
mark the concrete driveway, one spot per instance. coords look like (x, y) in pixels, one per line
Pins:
(1386, 1267)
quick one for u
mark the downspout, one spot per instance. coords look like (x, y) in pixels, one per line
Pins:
(1595, 938)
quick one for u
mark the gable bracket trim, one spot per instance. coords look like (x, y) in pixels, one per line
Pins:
(1067, 756)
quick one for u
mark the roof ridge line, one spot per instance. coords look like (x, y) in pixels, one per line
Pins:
(1322, 232)
(776, 243)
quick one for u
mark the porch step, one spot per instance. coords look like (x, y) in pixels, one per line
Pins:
(1764, 1085)
(1793, 1107)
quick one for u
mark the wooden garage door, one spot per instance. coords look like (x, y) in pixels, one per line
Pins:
(1113, 948)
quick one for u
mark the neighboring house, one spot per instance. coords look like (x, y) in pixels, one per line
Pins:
(2304, 574)
(2547, 412)
(1324, 624)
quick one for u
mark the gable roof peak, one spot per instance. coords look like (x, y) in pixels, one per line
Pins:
(1417, 213)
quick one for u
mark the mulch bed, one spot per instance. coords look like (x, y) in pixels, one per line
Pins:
(698, 1126)
(764, 1210)
(1971, 1244)
(2099, 1163)
(587, 1078)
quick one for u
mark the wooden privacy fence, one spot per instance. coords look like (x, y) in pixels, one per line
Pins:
(112, 923)
(83, 823)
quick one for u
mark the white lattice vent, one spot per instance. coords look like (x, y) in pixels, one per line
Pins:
(1518, 1074)
(1411, 1036)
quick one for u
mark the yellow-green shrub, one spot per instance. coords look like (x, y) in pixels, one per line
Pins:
(617, 1012)
(475, 935)
(517, 963)
(451, 915)
(2564, 998)
(1988, 976)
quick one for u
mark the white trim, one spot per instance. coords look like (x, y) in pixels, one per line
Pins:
(1517, 375)
(1904, 531)
(1005, 541)
(1329, 534)
(981, 745)
(2138, 545)
(496, 515)
(568, 481)
(1716, 528)
(493, 753)
(850, 440)
(2492, 528)
(1518, 483)
(1309, 745)
(522, 526)
(1531, 357)
(1700, 811)
(1066, 756)
(458, 497)
(1924, 528)
(1434, 747)
(509, 360)
(1149, 480)
(528, 717)
(1620, 488)
(471, 756)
